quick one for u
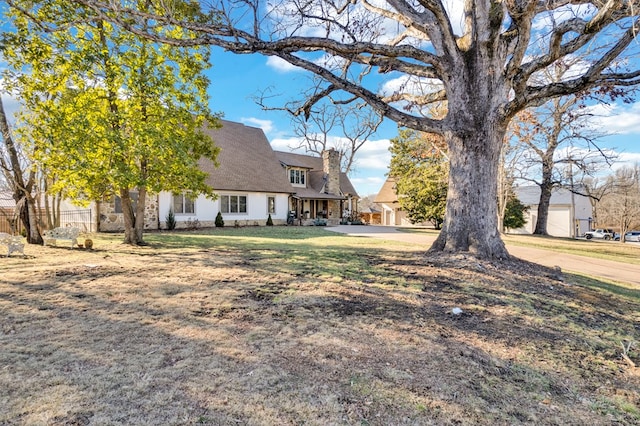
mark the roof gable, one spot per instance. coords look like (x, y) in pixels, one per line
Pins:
(291, 159)
(315, 182)
(387, 193)
(246, 161)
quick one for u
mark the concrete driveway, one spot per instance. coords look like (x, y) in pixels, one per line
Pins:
(616, 271)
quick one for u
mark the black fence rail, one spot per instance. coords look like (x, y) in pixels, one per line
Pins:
(80, 219)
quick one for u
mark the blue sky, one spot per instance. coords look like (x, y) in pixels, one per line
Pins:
(237, 79)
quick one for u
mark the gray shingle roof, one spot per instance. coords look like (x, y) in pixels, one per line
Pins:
(247, 162)
(316, 181)
(530, 195)
(299, 160)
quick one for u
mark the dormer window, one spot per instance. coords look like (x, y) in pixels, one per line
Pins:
(297, 177)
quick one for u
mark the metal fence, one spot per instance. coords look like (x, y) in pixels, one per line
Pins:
(80, 219)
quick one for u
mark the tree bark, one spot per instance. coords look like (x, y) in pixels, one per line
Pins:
(471, 220)
(133, 218)
(140, 210)
(543, 209)
(129, 216)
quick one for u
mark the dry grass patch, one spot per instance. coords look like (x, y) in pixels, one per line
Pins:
(282, 326)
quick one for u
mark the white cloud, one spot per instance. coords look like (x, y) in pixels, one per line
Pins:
(368, 185)
(616, 119)
(266, 125)
(545, 21)
(374, 155)
(455, 10)
(287, 144)
(368, 180)
(280, 65)
(626, 159)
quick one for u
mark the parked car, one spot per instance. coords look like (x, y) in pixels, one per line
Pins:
(632, 236)
(604, 234)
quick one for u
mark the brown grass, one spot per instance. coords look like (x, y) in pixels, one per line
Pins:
(230, 329)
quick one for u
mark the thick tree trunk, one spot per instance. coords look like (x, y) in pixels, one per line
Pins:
(140, 210)
(543, 210)
(33, 232)
(133, 219)
(471, 220)
(21, 187)
(128, 213)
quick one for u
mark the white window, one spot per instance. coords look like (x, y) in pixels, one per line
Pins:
(233, 204)
(296, 177)
(271, 205)
(183, 204)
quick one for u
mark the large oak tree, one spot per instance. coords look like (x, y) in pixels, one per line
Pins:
(485, 62)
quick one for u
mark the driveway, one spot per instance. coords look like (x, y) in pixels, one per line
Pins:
(616, 271)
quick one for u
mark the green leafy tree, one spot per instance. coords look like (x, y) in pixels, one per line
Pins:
(420, 169)
(514, 213)
(110, 113)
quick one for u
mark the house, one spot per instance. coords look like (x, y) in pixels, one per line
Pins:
(569, 213)
(252, 182)
(371, 215)
(392, 214)
(321, 190)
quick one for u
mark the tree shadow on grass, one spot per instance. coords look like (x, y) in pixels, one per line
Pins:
(328, 338)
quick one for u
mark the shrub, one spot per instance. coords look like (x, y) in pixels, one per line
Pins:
(269, 221)
(171, 220)
(219, 222)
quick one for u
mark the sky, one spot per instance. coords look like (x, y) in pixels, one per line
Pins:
(237, 79)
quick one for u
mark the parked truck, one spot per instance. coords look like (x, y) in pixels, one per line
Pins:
(603, 234)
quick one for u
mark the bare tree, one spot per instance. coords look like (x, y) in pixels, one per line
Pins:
(331, 123)
(510, 158)
(21, 180)
(484, 62)
(622, 204)
(560, 149)
(597, 188)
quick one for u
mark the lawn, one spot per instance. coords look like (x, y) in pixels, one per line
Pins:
(609, 250)
(291, 326)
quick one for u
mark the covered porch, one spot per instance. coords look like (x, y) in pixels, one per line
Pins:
(329, 207)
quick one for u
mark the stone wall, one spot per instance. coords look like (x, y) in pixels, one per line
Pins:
(331, 169)
(333, 210)
(110, 221)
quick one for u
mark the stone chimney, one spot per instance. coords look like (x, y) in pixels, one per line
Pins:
(331, 169)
